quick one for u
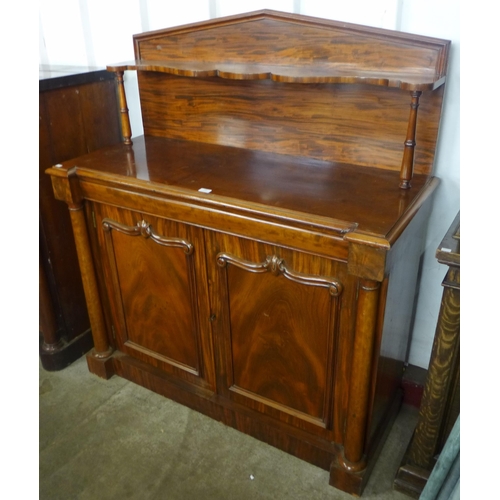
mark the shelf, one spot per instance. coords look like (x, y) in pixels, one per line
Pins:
(335, 196)
(307, 73)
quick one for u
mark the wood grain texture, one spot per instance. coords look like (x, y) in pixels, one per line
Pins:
(286, 39)
(272, 360)
(443, 358)
(253, 248)
(267, 429)
(359, 388)
(440, 404)
(162, 320)
(407, 163)
(102, 349)
(278, 337)
(60, 139)
(150, 306)
(124, 116)
(326, 122)
(256, 183)
(78, 114)
(273, 56)
(307, 74)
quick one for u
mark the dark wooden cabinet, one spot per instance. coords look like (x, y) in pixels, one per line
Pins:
(78, 114)
(440, 405)
(255, 254)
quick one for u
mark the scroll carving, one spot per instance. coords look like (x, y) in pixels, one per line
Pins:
(144, 229)
(277, 267)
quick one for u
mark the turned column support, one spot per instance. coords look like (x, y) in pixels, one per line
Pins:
(67, 188)
(124, 116)
(410, 143)
(353, 458)
(102, 349)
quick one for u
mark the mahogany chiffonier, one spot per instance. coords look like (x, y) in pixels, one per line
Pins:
(254, 255)
(78, 114)
(440, 405)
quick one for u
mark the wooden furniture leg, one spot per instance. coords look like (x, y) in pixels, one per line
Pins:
(352, 459)
(98, 357)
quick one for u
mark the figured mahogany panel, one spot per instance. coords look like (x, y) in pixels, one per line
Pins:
(155, 289)
(280, 321)
(161, 300)
(269, 342)
(287, 39)
(353, 124)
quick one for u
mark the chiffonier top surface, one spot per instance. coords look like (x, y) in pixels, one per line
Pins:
(336, 196)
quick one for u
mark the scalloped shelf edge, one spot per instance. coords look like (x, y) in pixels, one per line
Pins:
(284, 74)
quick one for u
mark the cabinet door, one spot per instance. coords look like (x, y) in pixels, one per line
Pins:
(279, 314)
(156, 283)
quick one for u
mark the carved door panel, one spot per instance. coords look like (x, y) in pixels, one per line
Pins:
(156, 282)
(280, 315)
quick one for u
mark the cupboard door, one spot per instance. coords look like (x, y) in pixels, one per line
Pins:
(280, 318)
(157, 287)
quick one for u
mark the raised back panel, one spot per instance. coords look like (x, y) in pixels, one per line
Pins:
(355, 124)
(269, 37)
(294, 85)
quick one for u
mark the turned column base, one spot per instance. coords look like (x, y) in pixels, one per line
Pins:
(101, 364)
(58, 356)
(352, 477)
(351, 467)
(348, 477)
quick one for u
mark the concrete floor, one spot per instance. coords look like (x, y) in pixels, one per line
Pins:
(114, 440)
